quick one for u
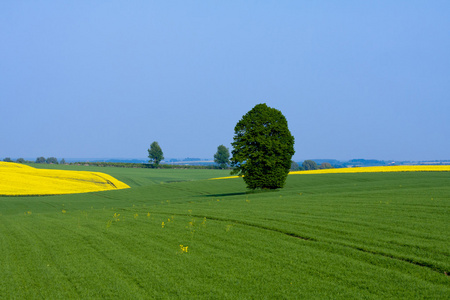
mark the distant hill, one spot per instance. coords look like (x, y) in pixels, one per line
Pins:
(366, 162)
(133, 161)
(360, 162)
(353, 162)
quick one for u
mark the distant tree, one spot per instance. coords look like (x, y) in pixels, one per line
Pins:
(309, 165)
(40, 160)
(52, 160)
(7, 159)
(262, 149)
(222, 156)
(20, 160)
(191, 159)
(325, 165)
(62, 162)
(295, 166)
(155, 154)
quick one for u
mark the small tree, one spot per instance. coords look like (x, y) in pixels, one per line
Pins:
(40, 160)
(7, 159)
(309, 165)
(20, 160)
(63, 161)
(222, 157)
(295, 166)
(262, 149)
(52, 160)
(155, 154)
(325, 165)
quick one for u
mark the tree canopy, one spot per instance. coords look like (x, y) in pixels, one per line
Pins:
(222, 156)
(263, 147)
(295, 166)
(310, 165)
(40, 160)
(325, 165)
(155, 154)
(52, 160)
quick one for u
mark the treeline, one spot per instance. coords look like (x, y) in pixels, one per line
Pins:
(54, 160)
(306, 165)
(142, 165)
(332, 163)
(39, 160)
(310, 165)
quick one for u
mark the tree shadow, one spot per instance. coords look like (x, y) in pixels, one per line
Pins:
(223, 195)
(249, 192)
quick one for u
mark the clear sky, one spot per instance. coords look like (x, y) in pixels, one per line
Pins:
(355, 79)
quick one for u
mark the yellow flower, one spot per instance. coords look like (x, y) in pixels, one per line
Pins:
(163, 224)
(19, 179)
(417, 168)
(184, 248)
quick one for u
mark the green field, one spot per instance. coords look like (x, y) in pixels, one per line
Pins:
(367, 235)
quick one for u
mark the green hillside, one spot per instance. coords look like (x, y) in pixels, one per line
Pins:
(176, 234)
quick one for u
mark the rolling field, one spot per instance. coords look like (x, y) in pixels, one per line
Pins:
(22, 180)
(176, 234)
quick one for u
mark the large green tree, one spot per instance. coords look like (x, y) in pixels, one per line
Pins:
(262, 149)
(155, 154)
(222, 157)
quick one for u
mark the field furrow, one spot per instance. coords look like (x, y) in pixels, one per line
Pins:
(360, 235)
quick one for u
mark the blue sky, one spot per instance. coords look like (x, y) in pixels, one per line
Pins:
(355, 79)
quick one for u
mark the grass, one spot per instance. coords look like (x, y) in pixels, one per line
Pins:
(368, 235)
(136, 177)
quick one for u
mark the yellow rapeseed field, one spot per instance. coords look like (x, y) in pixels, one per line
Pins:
(421, 168)
(18, 179)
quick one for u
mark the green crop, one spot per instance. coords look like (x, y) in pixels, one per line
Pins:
(175, 234)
